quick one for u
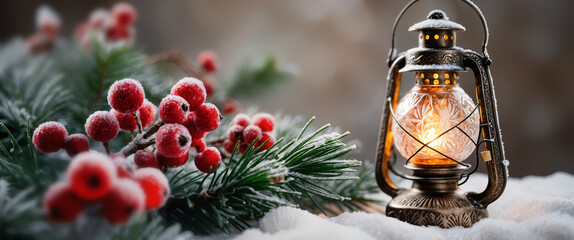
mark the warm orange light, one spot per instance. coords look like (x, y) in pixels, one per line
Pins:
(426, 112)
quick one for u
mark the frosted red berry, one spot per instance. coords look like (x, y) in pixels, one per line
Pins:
(173, 109)
(118, 32)
(199, 144)
(243, 147)
(241, 120)
(144, 158)
(124, 14)
(228, 145)
(61, 204)
(190, 89)
(171, 162)
(102, 126)
(146, 113)
(49, 137)
(91, 175)
(207, 117)
(76, 143)
(265, 121)
(126, 120)
(155, 186)
(123, 168)
(98, 18)
(48, 23)
(235, 133)
(207, 160)
(267, 140)
(251, 133)
(172, 140)
(126, 95)
(193, 131)
(208, 61)
(124, 199)
(230, 106)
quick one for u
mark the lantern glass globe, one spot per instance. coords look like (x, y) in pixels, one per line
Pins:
(426, 112)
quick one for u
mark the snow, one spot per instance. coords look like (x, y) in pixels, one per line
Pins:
(532, 207)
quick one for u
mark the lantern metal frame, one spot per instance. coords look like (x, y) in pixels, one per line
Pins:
(435, 198)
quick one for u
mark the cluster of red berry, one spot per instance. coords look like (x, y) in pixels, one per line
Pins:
(127, 99)
(52, 136)
(246, 130)
(94, 179)
(115, 24)
(188, 119)
(48, 27)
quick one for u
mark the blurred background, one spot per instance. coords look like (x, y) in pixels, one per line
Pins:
(338, 51)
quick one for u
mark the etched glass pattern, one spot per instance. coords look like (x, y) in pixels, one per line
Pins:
(428, 111)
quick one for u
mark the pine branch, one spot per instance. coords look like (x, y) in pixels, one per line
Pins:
(246, 187)
(251, 82)
(21, 167)
(21, 214)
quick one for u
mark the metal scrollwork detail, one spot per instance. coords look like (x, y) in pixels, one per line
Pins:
(445, 58)
(430, 218)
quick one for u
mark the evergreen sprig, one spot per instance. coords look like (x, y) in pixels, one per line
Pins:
(250, 82)
(250, 185)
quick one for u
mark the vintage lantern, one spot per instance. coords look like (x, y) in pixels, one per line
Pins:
(436, 126)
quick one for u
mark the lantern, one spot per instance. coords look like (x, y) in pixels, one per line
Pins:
(437, 125)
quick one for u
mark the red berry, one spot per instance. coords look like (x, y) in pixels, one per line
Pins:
(126, 95)
(76, 143)
(199, 144)
(235, 133)
(268, 144)
(61, 204)
(155, 187)
(91, 175)
(126, 120)
(208, 61)
(48, 23)
(172, 162)
(230, 106)
(243, 147)
(144, 158)
(118, 32)
(265, 121)
(172, 140)
(98, 18)
(241, 120)
(190, 89)
(193, 131)
(124, 199)
(124, 14)
(102, 126)
(251, 133)
(49, 137)
(173, 109)
(207, 117)
(146, 113)
(228, 145)
(123, 167)
(207, 160)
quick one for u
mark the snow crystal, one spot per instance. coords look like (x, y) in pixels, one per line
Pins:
(533, 207)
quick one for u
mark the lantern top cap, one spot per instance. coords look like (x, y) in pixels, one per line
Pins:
(437, 19)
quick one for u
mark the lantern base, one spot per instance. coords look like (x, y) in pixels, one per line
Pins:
(435, 199)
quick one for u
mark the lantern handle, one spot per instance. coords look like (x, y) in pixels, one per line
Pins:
(384, 146)
(393, 50)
